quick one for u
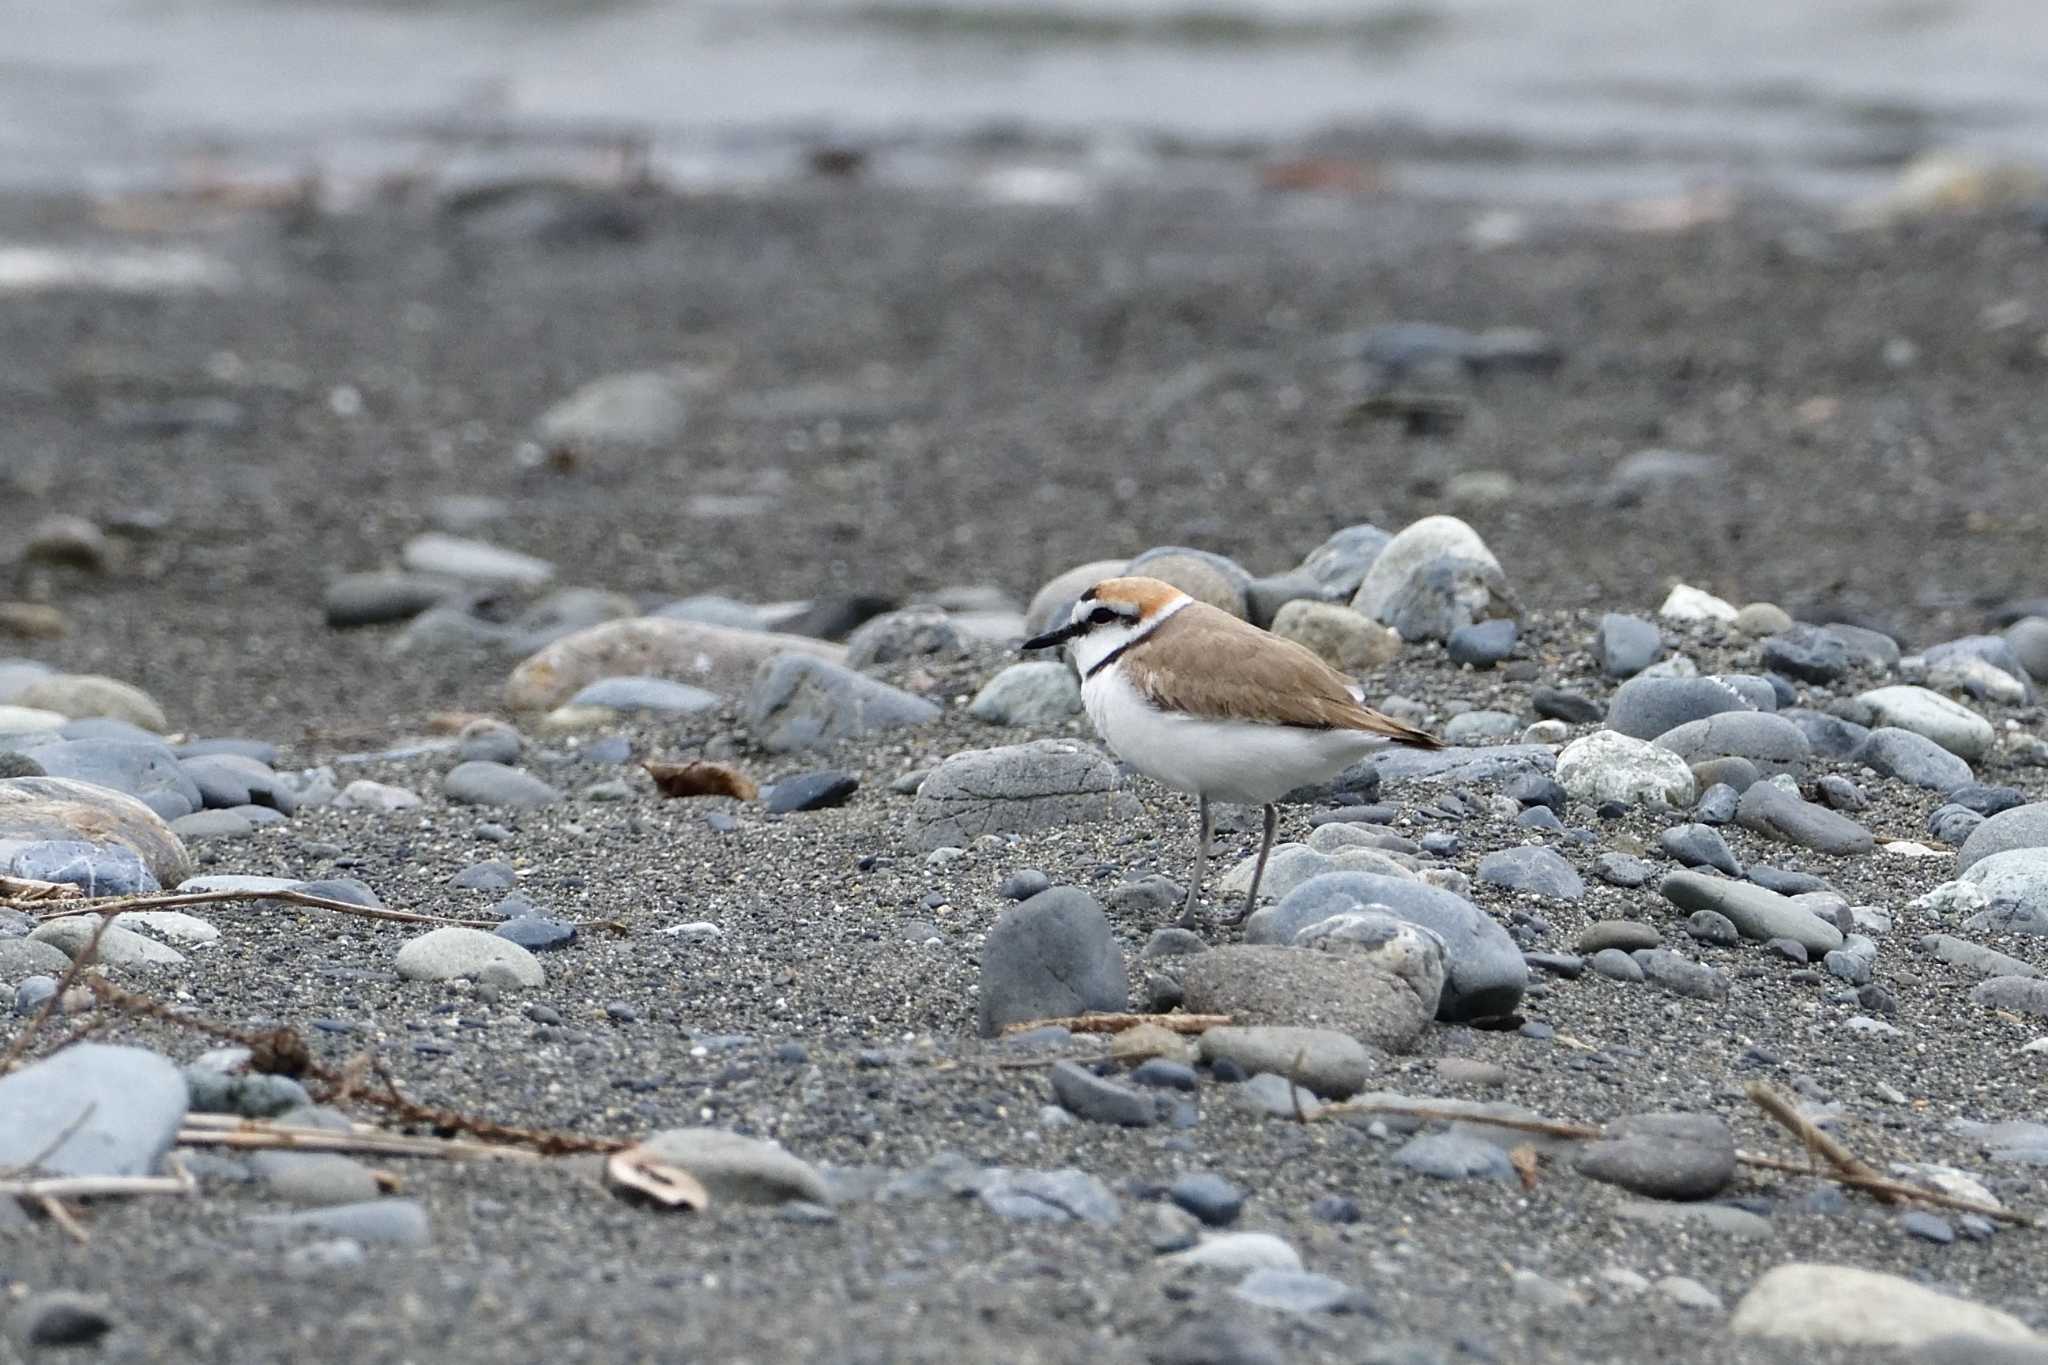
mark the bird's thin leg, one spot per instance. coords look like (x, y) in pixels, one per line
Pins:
(1188, 918)
(1251, 900)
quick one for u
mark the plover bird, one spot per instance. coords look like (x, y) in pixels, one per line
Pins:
(1205, 703)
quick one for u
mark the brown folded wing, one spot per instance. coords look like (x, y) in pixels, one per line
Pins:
(1239, 672)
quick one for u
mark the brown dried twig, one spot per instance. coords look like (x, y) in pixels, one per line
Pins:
(1885, 1185)
(227, 1130)
(1102, 1022)
(1542, 1127)
(1844, 1161)
(179, 900)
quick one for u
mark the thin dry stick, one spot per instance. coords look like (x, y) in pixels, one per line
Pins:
(1542, 1127)
(31, 889)
(1118, 1023)
(54, 1210)
(179, 900)
(19, 1046)
(86, 1186)
(325, 1140)
(1901, 1188)
(1838, 1156)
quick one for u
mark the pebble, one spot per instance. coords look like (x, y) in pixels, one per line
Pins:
(631, 409)
(1262, 984)
(212, 824)
(1664, 1156)
(1023, 885)
(453, 951)
(1620, 869)
(96, 869)
(1532, 870)
(1328, 1063)
(1647, 706)
(1829, 1304)
(1051, 956)
(2020, 994)
(1690, 1293)
(1432, 577)
(1297, 1291)
(1099, 1100)
(1272, 1094)
(1759, 914)
(1689, 604)
(494, 784)
(1680, 975)
(1543, 1293)
(1699, 846)
(364, 794)
(1039, 693)
(1570, 708)
(1239, 1251)
(1485, 975)
(1061, 1196)
(83, 695)
(473, 561)
(1606, 766)
(1477, 727)
(1626, 645)
(1724, 1219)
(810, 791)
(91, 1109)
(1210, 1198)
(1482, 644)
(1768, 741)
(912, 633)
(1718, 804)
(145, 769)
(1451, 1156)
(720, 658)
(486, 876)
(739, 1170)
(1017, 789)
(314, 1177)
(1616, 965)
(1982, 665)
(60, 1317)
(1913, 759)
(117, 947)
(537, 933)
(1625, 934)
(2018, 827)
(1950, 724)
(1928, 1227)
(1338, 635)
(387, 1222)
(1776, 814)
(381, 597)
(1807, 653)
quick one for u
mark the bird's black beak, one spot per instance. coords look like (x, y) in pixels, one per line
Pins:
(1052, 638)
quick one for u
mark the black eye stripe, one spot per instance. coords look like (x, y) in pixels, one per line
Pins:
(1102, 616)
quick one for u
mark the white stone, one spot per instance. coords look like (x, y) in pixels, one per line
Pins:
(1605, 766)
(452, 951)
(1952, 725)
(174, 925)
(16, 720)
(363, 794)
(473, 561)
(1687, 603)
(1239, 1251)
(1846, 1305)
(1419, 543)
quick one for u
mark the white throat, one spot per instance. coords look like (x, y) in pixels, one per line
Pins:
(1100, 643)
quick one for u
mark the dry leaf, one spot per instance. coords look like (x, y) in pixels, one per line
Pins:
(1149, 1040)
(32, 621)
(699, 778)
(1525, 1161)
(670, 1186)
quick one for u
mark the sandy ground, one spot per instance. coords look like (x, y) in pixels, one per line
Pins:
(928, 394)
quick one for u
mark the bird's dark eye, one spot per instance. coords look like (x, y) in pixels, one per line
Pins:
(1101, 616)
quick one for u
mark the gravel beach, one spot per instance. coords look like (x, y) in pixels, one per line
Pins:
(378, 489)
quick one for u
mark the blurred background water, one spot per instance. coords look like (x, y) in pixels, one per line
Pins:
(1541, 99)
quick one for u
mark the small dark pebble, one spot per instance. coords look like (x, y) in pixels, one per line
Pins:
(1985, 800)
(1540, 817)
(791, 1054)
(1022, 886)
(1440, 843)
(1566, 965)
(543, 1014)
(1227, 1071)
(1336, 1208)
(1210, 1198)
(1162, 1074)
(809, 791)
(1611, 810)
(621, 1012)
(1538, 1030)
(1554, 703)
(1789, 948)
(1929, 1227)
(60, 1318)
(537, 933)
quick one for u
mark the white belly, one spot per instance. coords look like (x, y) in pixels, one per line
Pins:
(1232, 761)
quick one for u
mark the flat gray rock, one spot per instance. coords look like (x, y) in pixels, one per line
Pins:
(1262, 984)
(1679, 974)
(1952, 725)
(1646, 707)
(1532, 870)
(1971, 956)
(660, 695)
(1099, 1099)
(1760, 915)
(116, 1109)
(1778, 814)
(800, 702)
(117, 947)
(2020, 994)
(1913, 758)
(1465, 766)
(1062, 1196)
(2020, 827)
(740, 1170)
(1772, 743)
(2015, 883)
(1051, 956)
(1040, 693)
(1333, 1064)
(380, 1222)
(473, 561)
(480, 783)
(145, 770)
(1665, 1156)
(1017, 789)
(1485, 975)
(382, 597)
